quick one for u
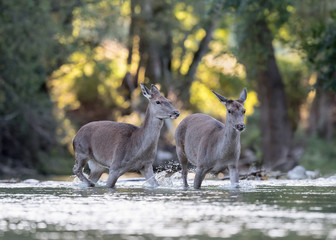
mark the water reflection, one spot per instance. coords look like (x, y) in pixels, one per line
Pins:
(256, 210)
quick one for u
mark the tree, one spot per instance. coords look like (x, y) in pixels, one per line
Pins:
(152, 26)
(30, 51)
(256, 52)
(317, 41)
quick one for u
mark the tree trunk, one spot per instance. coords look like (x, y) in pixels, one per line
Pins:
(322, 114)
(214, 17)
(275, 128)
(155, 42)
(202, 50)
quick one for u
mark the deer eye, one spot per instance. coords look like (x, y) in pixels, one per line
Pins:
(229, 111)
(158, 102)
(244, 111)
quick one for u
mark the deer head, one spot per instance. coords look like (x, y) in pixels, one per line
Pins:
(159, 106)
(235, 110)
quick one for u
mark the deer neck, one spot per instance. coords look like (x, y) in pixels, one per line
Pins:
(230, 136)
(149, 131)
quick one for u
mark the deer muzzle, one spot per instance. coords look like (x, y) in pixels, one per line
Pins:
(240, 127)
(175, 115)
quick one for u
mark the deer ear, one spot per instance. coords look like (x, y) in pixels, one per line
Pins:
(154, 89)
(145, 91)
(243, 95)
(220, 97)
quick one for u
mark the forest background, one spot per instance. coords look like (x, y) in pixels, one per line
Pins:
(64, 63)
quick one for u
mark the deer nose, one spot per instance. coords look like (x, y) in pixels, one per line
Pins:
(177, 113)
(240, 127)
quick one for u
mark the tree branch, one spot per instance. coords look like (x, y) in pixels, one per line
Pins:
(214, 16)
(202, 49)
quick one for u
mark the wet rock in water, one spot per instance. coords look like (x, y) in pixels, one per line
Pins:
(9, 180)
(312, 174)
(298, 172)
(333, 177)
(31, 181)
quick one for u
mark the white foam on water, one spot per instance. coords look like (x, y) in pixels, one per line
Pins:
(174, 181)
(217, 210)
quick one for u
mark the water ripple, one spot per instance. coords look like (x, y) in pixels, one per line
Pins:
(258, 209)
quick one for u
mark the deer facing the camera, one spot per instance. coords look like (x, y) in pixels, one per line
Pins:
(122, 147)
(209, 144)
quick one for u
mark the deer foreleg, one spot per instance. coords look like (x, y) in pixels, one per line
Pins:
(149, 175)
(234, 176)
(112, 178)
(200, 175)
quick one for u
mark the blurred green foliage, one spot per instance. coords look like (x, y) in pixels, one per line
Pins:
(319, 154)
(250, 14)
(315, 28)
(29, 52)
(296, 80)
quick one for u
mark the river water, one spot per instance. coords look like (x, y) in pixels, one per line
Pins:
(271, 209)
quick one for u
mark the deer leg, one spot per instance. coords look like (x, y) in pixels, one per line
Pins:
(112, 178)
(234, 177)
(95, 171)
(147, 171)
(200, 175)
(81, 160)
(185, 175)
(184, 165)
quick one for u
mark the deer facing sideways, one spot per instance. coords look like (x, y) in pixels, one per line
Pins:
(122, 147)
(209, 144)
